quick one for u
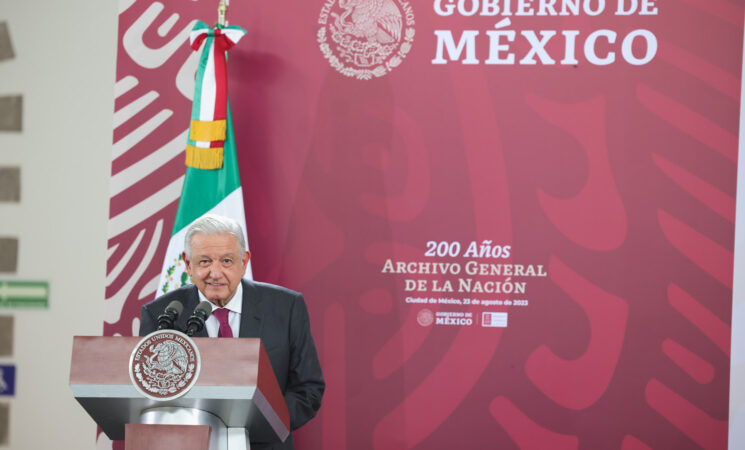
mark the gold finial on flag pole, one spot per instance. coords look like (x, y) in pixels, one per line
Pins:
(222, 12)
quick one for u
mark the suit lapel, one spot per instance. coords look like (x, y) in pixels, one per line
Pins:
(251, 311)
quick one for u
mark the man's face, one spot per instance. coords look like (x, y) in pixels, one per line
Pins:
(216, 266)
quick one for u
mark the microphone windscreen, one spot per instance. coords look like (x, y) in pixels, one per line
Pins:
(204, 308)
(177, 306)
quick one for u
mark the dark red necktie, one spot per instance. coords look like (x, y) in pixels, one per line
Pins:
(222, 317)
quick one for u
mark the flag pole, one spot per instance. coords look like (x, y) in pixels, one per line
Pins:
(222, 12)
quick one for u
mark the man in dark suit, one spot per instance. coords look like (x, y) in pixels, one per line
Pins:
(216, 259)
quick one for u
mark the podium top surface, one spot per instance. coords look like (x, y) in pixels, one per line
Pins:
(99, 360)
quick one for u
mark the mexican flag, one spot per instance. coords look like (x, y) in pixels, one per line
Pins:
(212, 183)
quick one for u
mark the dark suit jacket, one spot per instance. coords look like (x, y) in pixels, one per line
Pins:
(280, 318)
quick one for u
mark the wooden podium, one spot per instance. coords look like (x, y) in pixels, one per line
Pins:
(235, 396)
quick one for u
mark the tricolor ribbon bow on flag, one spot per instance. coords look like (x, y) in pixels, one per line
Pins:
(207, 130)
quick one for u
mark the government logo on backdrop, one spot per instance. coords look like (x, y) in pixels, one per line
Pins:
(425, 317)
(365, 38)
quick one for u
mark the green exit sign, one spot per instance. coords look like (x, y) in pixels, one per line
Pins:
(24, 294)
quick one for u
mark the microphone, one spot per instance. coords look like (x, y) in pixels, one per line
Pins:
(195, 324)
(165, 320)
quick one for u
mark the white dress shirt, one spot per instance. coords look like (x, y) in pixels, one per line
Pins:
(234, 307)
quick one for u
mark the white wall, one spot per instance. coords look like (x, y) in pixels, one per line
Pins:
(737, 368)
(64, 68)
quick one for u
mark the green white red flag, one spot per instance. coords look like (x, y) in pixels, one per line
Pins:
(212, 183)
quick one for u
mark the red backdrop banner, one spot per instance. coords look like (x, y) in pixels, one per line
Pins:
(512, 221)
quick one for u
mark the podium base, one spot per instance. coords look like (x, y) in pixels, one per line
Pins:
(220, 437)
(158, 437)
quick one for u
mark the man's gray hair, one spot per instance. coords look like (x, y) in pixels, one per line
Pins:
(212, 224)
